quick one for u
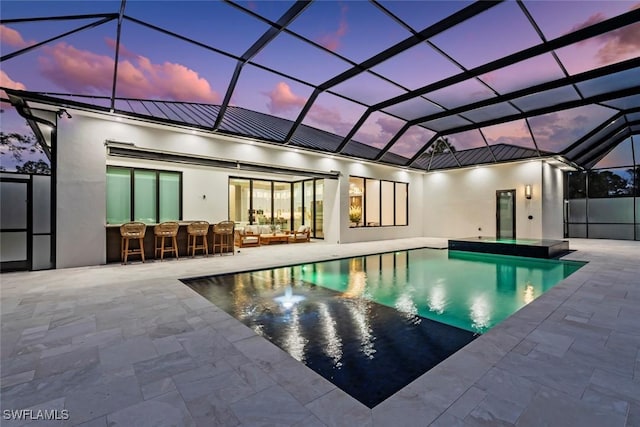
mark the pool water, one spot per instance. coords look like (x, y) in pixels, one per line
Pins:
(468, 290)
(372, 324)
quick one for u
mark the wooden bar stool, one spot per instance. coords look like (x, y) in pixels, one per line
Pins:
(223, 235)
(194, 230)
(166, 230)
(132, 231)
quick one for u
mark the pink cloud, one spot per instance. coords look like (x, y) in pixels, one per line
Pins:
(332, 40)
(378, 131)
(617, 45)
(593, 19)
(282, 99)
(466, 140)
(8, 82)
(13, 38)
(83, 71)
(620, 44)
(328, 119)
(123, 52)
(411, 141)
(389, 126)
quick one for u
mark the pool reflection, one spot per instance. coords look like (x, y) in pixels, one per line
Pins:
(372, 324)
(368, 350)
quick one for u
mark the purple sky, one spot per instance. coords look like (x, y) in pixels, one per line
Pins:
(153, 65)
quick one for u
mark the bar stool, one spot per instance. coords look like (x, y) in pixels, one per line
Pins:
(166, 230)
(223, 235)
(132, 231)
(194, 230)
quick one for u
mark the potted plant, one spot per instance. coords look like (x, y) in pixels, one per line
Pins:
(355, 214)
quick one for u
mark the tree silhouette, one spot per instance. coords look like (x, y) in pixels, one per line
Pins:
(17, 146)
(441, 146)
(606, 183)
(40, 167)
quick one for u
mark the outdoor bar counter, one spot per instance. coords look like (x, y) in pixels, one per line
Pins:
(113, 243)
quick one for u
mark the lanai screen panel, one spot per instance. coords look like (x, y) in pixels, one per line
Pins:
(378, 129)
(417, 66)
(270, 93)
(305, 73)
(412, 141)
(346, 28)
(81, 63)
(213, 23)
(511, 133)
(473, 42)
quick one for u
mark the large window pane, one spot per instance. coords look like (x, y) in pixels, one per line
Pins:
(144, 191)
(262, 202)
(118, 195)
(297, 205)
(372, 202)
(308, 203)
(239, 200)
(388, 199)
(375, 203)
(319, 205)
(282, 204)
(356, 205)
(169, 196)
(401, 203)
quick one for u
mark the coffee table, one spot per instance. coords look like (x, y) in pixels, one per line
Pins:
(267, 239)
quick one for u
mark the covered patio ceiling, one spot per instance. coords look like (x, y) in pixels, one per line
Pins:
(421, 84)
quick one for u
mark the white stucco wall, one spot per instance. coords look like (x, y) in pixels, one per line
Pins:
(453, 203)
(82, 181)
(462, 202)
(80, 199)
(552, 202)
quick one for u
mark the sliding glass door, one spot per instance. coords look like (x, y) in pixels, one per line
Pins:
(285, 204)
(239, 200)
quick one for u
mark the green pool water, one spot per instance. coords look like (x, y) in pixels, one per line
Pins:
(468, 290)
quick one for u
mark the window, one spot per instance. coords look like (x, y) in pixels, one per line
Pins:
(146, 195)
(285, 204)
(402, 198)
(375, 203)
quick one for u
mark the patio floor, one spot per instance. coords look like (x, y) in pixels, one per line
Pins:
(131, 345)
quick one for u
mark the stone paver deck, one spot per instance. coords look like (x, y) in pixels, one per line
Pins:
(132, 346)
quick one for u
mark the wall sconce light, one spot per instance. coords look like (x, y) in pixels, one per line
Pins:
(527, 191)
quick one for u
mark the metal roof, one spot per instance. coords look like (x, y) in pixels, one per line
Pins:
(378, 80)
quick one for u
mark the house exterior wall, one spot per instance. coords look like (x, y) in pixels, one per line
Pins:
(83, 159)
(462, 202)
(80, 197)
(552, 202)
(455, 203)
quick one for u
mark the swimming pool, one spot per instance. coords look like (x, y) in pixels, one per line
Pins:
(374, 323)
(468, 290)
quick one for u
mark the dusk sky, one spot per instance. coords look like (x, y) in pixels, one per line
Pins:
(153, 65)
